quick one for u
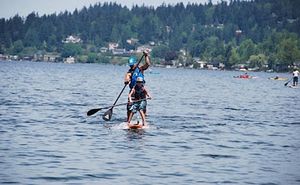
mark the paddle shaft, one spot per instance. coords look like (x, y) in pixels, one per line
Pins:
(119, 95)
(126, 103)
(288, 82)
(137, 65)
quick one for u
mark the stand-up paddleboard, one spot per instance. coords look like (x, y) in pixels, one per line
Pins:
(131, 126)
(139, 126)
(294, 87)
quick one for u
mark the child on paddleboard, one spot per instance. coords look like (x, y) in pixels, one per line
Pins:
(137, 99)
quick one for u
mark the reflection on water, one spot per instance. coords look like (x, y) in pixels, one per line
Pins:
(206, 127)
(133, 134)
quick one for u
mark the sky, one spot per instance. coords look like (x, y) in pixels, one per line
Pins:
(9, 8)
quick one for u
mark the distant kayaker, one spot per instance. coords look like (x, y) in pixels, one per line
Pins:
(134, 72)
(138, 92)
(295, 77)
(245, 76)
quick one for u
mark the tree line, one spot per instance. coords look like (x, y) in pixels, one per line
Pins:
(258, 32)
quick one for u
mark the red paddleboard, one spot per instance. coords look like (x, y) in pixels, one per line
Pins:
(130, 126)
(135, 126)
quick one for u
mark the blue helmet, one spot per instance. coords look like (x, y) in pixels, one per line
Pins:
(131, 61)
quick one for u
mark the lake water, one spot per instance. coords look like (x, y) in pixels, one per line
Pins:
(206, 127)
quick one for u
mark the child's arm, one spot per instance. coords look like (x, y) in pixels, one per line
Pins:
(130, 94)
(147, 93)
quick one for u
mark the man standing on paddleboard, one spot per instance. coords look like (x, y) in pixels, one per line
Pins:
(295, 77)
(134, 72)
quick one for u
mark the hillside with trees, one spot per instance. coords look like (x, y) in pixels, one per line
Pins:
(262, 34)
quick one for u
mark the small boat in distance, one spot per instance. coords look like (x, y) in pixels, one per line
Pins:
(245, 76)
(278, 78)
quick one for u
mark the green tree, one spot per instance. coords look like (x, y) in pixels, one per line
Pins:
(204, 30)
(71, 49)
(92, 58)
(246, 49)
(259, 61)
(234, 57)
(210, 47)
(104, 59)
(115, 34)
(288, 51)
(31, 37)
(17, 47)
(29, 51)
(160, 51)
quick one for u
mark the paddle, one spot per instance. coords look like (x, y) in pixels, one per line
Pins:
(287, 82)
(107, 115)
(93, 111)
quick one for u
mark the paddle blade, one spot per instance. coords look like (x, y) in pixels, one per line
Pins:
(107, 115)
(286, 83)
(92, 111)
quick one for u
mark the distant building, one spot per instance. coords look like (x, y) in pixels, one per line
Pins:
(183, 52)
(28, 58)
(220, 26)
(14, 57)
(50, 57)
(291, 20)
(72, 39)
(142, 48)
(112, 46)
(70, 60)
(210, 66)
(3, 57)
(238, 32)
(132, 41)
(118, 51)
(152, 43)
(103, 49)
(201, 64)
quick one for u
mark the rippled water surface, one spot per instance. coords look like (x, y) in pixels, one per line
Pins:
(206, 127)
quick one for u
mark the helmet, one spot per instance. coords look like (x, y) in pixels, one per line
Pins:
(139, 79)
(131, 61)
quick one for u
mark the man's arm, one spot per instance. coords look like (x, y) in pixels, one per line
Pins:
(127, 78)
(147, 61)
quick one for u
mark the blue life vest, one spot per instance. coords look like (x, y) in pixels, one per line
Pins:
(134, 75)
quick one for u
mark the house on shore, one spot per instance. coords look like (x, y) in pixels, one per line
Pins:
(72, 39)
(69, 60)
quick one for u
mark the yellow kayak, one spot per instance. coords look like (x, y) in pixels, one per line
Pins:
(278, 78)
